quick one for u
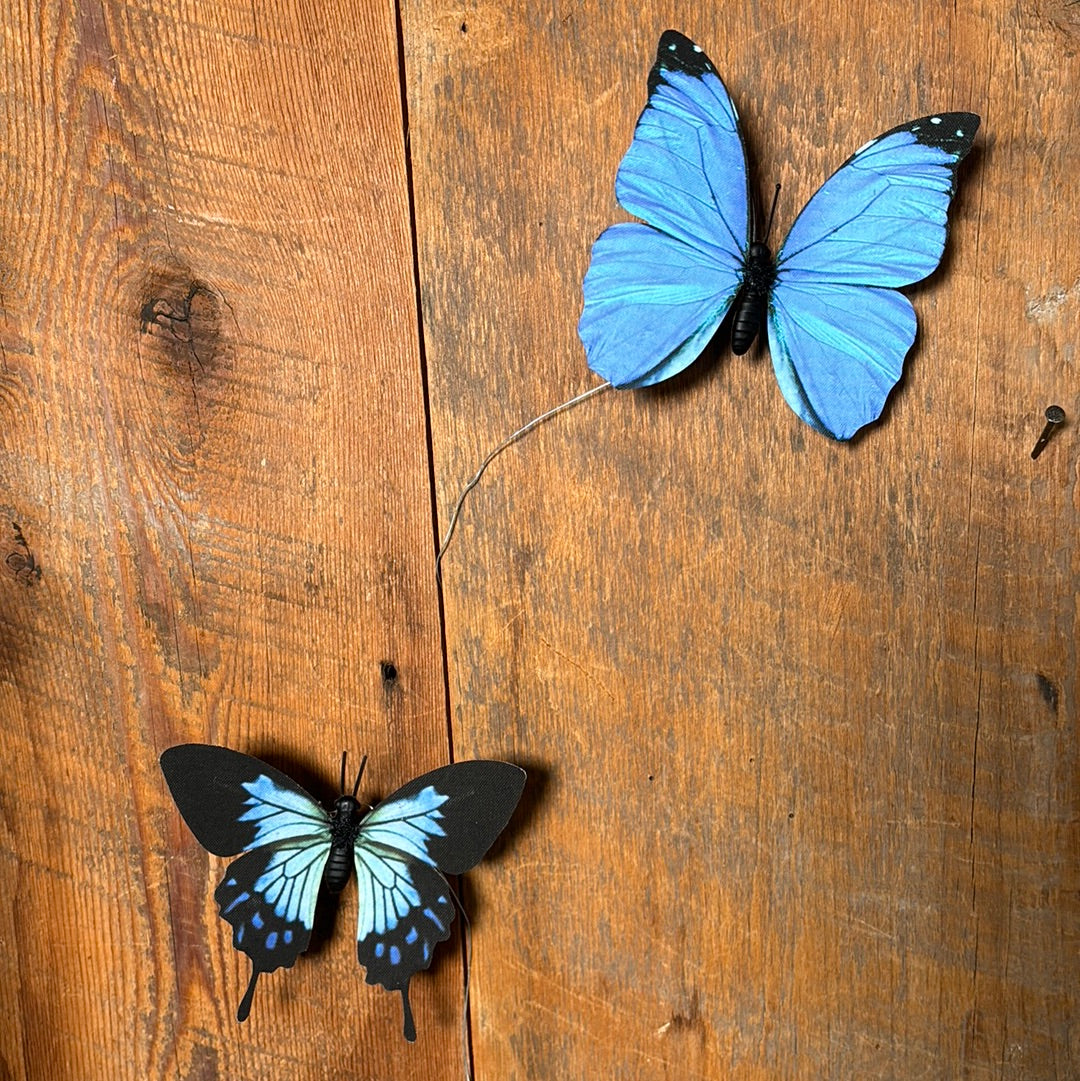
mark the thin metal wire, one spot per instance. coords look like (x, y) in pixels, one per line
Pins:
(508, 441)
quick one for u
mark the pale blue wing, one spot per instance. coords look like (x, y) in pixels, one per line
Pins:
(838, 334)
(838, 350)
(281, 814)
(653, 297)
(442, 821)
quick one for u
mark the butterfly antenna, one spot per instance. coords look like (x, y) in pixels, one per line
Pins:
(772, 212)
(344, 755)
(508, 441)
(359, 774)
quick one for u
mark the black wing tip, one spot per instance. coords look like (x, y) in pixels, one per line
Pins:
(182, 756)
(953, 132)
(673, 41)
(512, 775)
(501, 783)
(506, 773)
(506, 781)
(676, 52)
(173, 756)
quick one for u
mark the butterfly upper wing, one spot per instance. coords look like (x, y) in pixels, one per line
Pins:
(838, 333)
(685, 172)
(232, 803)
(440, 823)
(211, 787)
(881, 218)
(655, 294)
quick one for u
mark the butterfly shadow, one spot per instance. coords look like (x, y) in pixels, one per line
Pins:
(710, 361)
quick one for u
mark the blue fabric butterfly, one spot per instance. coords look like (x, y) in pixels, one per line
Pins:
(441, 823)
(656, 293)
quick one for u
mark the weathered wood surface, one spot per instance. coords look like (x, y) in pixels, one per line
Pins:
(804, 714)
(800, 718)
(214, 441)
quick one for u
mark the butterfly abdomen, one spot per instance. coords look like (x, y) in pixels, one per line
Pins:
(753, 298)
(344, 824)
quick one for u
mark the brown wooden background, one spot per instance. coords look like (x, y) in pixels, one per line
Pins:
(800, 718)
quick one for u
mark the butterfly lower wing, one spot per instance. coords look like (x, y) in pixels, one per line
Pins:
(654, 297)
(652, 303)
(440, 823)
(268, 896)
(838, 350)
(838, 333)
(405, 911)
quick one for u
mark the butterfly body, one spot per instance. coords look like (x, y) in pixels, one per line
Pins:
(750, 305)
(400, 850)
(657, 290)
(345, 822)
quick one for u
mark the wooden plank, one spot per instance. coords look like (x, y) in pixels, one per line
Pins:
(214, 441)
(800, 717)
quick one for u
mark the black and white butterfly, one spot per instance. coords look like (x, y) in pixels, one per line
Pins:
(439, 824)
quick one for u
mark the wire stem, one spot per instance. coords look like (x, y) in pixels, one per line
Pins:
(508, 441)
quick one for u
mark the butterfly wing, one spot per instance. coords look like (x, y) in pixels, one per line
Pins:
(269, 895)
(838, 333)
(441, 823)
(233, 803)
(655, 294)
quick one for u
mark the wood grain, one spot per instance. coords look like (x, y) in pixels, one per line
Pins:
(799, 718)
(214, 440)
(803, 714)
